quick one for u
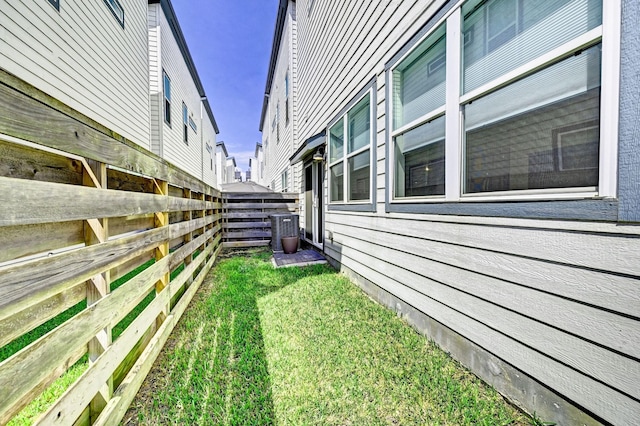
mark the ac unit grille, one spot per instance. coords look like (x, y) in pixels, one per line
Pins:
(283, 225)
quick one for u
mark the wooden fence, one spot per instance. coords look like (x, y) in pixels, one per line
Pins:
(102, 246)
(246, 216)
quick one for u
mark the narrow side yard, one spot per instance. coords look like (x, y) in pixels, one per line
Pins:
(304, 346)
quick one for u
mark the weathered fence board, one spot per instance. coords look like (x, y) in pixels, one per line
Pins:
(74, 224)
(246, 216)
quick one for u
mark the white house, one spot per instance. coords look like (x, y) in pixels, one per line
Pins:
(183, 128)
(230, 169)
(474, 165)
(91, 56)
(278, 121)
(257, 165)
(220, 163)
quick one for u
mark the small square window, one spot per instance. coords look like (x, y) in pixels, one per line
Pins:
(116, 10)
(166, 84)
(56, 4)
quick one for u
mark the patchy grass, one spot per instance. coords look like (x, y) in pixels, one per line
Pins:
(304, 346)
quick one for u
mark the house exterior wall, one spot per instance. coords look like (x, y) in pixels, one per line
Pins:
(168, 139)
(83, 57)
(278, 137)
(221, 163)
(538, 297)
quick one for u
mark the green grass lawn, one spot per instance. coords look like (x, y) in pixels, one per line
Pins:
(304, 346)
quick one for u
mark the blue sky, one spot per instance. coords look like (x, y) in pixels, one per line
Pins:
(230, 42)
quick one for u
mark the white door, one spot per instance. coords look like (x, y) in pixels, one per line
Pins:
(313, 198)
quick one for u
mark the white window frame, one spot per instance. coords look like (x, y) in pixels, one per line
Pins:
(166, 99)
(117, 10)
(345, 156)
(608, 34)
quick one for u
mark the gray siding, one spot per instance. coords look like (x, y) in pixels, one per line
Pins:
(552, 306)
(629, 149)
(81, 56)
(559, 304)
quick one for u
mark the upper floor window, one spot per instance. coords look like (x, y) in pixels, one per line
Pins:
(510, 91)
(193, 124)
(166, 85)
(286, 98)
(55, 3)
(116, 10)
(285, 180)
(185, 124)
(350, 155)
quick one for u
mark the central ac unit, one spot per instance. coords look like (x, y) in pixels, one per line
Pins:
(283, 225)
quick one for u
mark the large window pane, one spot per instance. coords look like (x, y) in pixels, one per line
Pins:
(540, 132)
(359, 125)
(419, 160)
(336, 141)
(419, 80)
(337, 182)
(359, 180)
(501, 35)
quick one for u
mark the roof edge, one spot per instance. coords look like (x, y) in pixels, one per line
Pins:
(275, 48)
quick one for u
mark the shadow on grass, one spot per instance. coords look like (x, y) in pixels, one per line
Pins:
(214, 368)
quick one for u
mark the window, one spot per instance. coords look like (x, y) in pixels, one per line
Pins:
(193, 124)
(166, 84)
(116, 10)
(513, 132)
(419, 120)
(350, 151)
(286, 98)
(285, 181)
(277, 121)
(185, 123)
(56, 4)
(499, 98)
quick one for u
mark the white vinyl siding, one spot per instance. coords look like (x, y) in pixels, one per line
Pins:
(181, 144)
(81, 56)
(277, 129)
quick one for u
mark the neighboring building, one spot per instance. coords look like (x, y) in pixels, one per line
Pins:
(65, 48)
(257, 165)
(278, 122)
(221, 163)
(238, 175)
(481, 164)
(247, 174)
(231, 169)
(183, 129)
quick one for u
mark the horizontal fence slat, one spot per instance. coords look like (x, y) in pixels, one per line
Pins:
(179, 229)
(23, 201)
(242, 225)
(26, 284)
(248, 234)
(180, 254)
(56, 347)
(260, 196)
(27, 240)
(24, 321)
(255, 206)
(244, 244)
(123, 225)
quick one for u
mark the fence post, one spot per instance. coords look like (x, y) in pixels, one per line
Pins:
(96, 231)
(161, 220)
